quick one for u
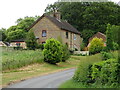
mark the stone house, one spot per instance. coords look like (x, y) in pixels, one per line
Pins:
(53, 27)
(98, 35)
(19, 42)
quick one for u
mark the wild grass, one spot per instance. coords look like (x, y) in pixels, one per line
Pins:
(12, 59)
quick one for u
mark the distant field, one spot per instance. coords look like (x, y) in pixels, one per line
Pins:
(12, 59)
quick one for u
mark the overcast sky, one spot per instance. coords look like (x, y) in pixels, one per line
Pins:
(11, 10)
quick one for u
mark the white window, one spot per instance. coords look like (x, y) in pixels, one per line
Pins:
(43, 33)
(75, 37)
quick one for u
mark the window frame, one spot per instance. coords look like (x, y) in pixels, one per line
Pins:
(44, 31)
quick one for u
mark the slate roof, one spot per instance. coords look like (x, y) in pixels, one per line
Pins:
(61, 24)
(18, 40)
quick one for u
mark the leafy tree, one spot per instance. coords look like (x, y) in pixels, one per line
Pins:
(52, 51)
(2, 34)
(17, 34)
(25, 23)
(112, 34)
(31, 40)
(86, 34)
(96, 45)
(109, 42)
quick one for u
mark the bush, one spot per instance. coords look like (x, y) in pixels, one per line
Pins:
(82, 46)
(31, 41)
(52, 51)
(115, 46)
(96, 45)
(82, 72)
(106, 55)
(105, 72)
(65, 53)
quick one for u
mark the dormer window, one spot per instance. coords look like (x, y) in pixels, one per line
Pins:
(67, 35)
(44, 33)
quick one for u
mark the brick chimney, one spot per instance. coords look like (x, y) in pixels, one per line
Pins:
(56, 14)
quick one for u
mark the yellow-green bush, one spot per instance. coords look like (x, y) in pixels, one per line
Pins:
(96, 45)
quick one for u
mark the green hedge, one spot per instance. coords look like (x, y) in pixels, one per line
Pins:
(105, 72)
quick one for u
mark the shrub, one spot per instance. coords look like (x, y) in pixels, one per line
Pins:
(115, 46)
(106, 55)
(82, 46)
(52, 51)
(65, 53)
(31, 40)
(96, 45)
(105, 72)
(82, 72)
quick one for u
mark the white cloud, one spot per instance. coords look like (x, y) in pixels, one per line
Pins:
(11, 10)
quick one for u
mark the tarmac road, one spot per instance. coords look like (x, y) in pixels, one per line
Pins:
(47, 81)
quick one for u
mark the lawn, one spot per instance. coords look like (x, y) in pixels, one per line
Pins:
(34, 67)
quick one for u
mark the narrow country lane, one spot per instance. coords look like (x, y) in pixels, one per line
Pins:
(48, 81)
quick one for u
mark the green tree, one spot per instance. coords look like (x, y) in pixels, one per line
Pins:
(52, 51)
(2, 34)
(96, 45)
(109, 42)
(86, 34)
(31, 41)
(17, 34)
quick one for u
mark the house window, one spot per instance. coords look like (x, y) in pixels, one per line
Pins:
(67, 35)
(75, 37)
(18, 44)
(43, 33)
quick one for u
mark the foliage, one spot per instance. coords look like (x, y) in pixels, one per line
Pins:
(105, 72)
(88, 15)
(82, 72)
(23, 24)
(106, 55)
(2, 34)
(86, 34)
(65, 53)
(115, 46)
(26, 22)
(31, 41)
(12, 59)
(52, 51)
(109, 42)
(82, 46)
(96, 45)
(17, 34)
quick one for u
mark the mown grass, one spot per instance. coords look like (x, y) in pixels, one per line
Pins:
(12, 59)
